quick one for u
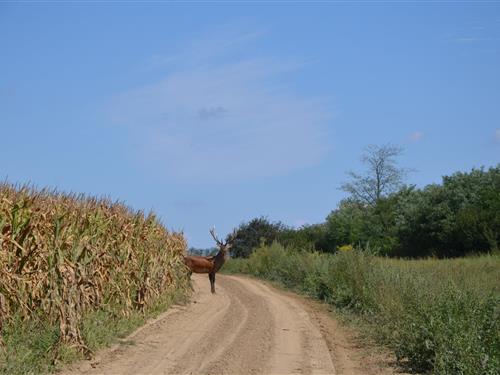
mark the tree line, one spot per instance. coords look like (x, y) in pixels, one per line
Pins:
(459, 216)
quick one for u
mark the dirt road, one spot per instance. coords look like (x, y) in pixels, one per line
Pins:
(245, 328)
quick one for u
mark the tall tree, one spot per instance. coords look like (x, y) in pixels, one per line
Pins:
(250, 235)
(381, 178)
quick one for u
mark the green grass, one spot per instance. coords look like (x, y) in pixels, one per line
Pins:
(439, 316)
(29, 346)
(33, 347)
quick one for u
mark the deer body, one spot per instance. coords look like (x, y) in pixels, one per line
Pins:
(211, 264)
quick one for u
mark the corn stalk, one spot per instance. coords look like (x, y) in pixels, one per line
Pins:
(62, 255)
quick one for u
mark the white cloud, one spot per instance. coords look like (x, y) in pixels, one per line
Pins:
(467, 40)
(199, 51)
(416, 136)
(215, 120)
(473, 39)
(497, 135)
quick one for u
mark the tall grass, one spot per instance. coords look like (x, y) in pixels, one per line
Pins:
(439, 316)
(68, 261)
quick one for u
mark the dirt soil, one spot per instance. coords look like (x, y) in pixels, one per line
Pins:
(247, 327)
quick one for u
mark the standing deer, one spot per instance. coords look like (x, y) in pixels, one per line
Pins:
(210, 264)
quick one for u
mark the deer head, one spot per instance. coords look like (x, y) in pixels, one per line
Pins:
(224, 246)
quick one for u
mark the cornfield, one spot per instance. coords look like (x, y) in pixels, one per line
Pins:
(62, 255)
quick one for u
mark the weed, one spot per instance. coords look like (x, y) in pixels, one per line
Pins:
(440, 316)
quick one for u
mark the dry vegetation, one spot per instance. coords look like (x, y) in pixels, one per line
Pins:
(64, 257)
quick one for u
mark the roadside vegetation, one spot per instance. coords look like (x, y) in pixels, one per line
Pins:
(439, 316)
(77, 272)
(419, 266)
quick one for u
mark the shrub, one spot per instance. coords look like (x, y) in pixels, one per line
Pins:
(437, 315)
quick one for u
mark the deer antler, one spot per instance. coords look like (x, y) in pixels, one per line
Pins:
(219, 242)
(232, 236)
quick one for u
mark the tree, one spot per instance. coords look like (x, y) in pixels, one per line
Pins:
(307, 237)
(458, 217)
(346, 224)
(382, 177)
(356, 223)
(250, 235)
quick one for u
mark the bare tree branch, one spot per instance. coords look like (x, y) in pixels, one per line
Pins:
(382, 176)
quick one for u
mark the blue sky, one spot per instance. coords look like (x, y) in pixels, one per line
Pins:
(212, 114)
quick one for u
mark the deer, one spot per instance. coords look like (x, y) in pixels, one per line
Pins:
(210, 264)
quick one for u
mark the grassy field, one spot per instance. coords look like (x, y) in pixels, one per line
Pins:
(77, 272)
(439, 316)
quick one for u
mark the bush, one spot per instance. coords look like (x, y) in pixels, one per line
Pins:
(437, 315)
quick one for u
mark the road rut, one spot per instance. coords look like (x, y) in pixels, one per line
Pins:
(247, 327)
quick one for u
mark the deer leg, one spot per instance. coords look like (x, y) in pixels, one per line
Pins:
(211, 276)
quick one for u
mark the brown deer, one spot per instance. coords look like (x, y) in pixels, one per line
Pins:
(210, 264)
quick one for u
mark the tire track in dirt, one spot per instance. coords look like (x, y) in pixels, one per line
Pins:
(247, 327)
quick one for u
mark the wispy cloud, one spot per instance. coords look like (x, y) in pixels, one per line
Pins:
(474, 39)
(475, 35)
(467, 39)
(201, 50)
(216, 118)
(211, 113)
(416, 136)
(497, 136)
